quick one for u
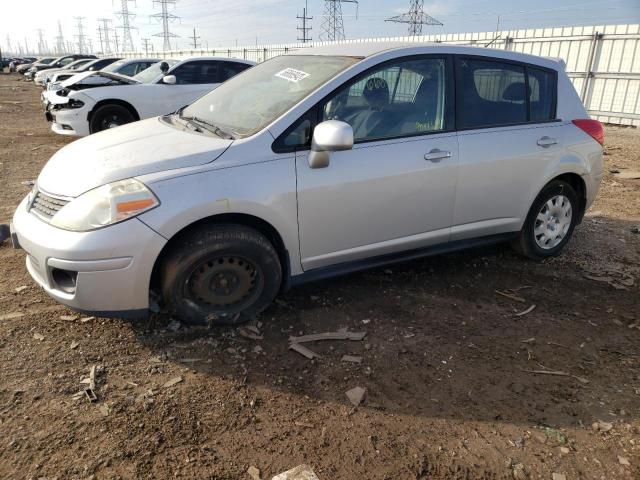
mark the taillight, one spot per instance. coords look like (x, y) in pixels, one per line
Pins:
(592, 128)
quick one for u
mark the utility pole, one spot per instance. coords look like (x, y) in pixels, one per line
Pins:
(164, 17)
(195, 40)
(332, 27)
(103, 33)
(41, 44)
(80, 36)
(145, 45)
(125, 16)
(60, 39)
(305, 30)
(416, 18)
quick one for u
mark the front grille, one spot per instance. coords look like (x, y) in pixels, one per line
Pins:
(47, 206)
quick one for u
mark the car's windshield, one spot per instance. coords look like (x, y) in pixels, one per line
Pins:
(153, 72)
(76, 64)
(115, 66)
(46, 61)
(253, 99)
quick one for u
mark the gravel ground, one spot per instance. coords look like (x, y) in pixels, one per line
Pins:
(446, 362)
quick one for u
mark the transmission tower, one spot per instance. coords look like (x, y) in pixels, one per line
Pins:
(125, 16)
(60, 39)
(146, 45)
(165, 18)
(103, 34)
(9, 48)
(304, 29)
(41, 44)
(332, 27)
(80, 36)
(416, 18)
(26, 45)
(195, 40)
(90, 42)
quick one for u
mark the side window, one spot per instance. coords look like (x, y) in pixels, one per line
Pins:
(187, 73)
(231, 69)
(490, 93)
(209, 72)
(542, 94)
(400, 99)
(130, 70)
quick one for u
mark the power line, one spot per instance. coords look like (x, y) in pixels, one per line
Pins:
(103, 33)
(165, 18)
(304, 29)
(124, 15)
(195, 40)
(146, 45)
(416, 18)
(332, 27)
(80, 36)
(60, 39)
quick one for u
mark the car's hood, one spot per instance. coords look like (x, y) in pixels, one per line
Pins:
(131, 150)
(77, 78)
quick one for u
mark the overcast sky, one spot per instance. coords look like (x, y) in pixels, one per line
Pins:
(225, 22)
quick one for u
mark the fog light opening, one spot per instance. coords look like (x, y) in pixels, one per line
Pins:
(64, 280)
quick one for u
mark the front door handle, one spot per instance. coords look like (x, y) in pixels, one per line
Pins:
(545, 142)
(436, 155)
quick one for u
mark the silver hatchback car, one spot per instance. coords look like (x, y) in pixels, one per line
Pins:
(318, 163)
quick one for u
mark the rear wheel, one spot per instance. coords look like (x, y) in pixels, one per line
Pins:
(110, 116)
(220, 274)
(550, 222)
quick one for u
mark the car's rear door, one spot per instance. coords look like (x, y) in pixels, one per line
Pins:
(395, 190)
(508, 137)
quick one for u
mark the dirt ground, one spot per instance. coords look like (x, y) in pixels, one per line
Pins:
(446, 362)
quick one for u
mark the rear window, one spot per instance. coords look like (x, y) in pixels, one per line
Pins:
(493, 93)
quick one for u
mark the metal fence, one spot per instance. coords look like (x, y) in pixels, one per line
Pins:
(602, 61)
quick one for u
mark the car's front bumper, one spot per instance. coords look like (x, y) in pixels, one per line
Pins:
(106, 272)
(68, 121)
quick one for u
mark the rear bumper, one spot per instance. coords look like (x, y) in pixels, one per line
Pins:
(106, 272)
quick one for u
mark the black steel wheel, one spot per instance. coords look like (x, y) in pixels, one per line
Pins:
(110, 116)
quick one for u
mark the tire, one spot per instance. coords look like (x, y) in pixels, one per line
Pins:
(110, 116)
(220, 275)
(544, 235)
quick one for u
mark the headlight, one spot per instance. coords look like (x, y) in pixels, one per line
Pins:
(105, 205)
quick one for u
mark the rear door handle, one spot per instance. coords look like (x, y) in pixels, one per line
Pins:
(436, 155)
(545, 142)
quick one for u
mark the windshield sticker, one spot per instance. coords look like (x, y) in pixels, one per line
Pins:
(292, 75)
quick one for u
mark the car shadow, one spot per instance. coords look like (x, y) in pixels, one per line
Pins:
(480, 335)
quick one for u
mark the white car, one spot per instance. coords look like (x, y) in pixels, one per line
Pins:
(322, 162)
(128, 66)
(44, 76)
(161, 89)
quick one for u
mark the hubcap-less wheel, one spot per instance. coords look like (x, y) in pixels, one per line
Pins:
(112, 121)
(228, 282)
(553, 222)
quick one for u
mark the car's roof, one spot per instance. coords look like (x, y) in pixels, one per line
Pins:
(369, 49)
(224, 59)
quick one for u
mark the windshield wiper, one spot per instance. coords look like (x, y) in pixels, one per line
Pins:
(206, 125)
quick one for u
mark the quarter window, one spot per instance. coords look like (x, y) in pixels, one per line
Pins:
(542, 94)
(401, 99)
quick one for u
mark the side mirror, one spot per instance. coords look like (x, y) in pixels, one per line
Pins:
(169, 79)
(329, 136)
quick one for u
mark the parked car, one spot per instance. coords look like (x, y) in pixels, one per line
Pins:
(158, 90)
(59, 62)
(24, 69)
(16, 62)
(128, 67)
(309, 165)
(44, 76)
(92, 66)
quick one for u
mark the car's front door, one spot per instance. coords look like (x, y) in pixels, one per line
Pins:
(395, 190)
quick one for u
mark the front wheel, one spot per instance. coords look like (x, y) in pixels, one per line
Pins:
(220, 275)
(550, 222)
(110, 116)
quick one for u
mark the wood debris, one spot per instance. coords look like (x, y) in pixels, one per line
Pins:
(68, 318)
(315, 337)
(301, 472)
(251, 335)
(557, 373)
(524, 312)
(87, 319)
(174, 381)
(355, 395)
(302, 350)
(38, 337)
(254, 473)
(352, 358)
(511, 296)
(21, 288)
(11, 316)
